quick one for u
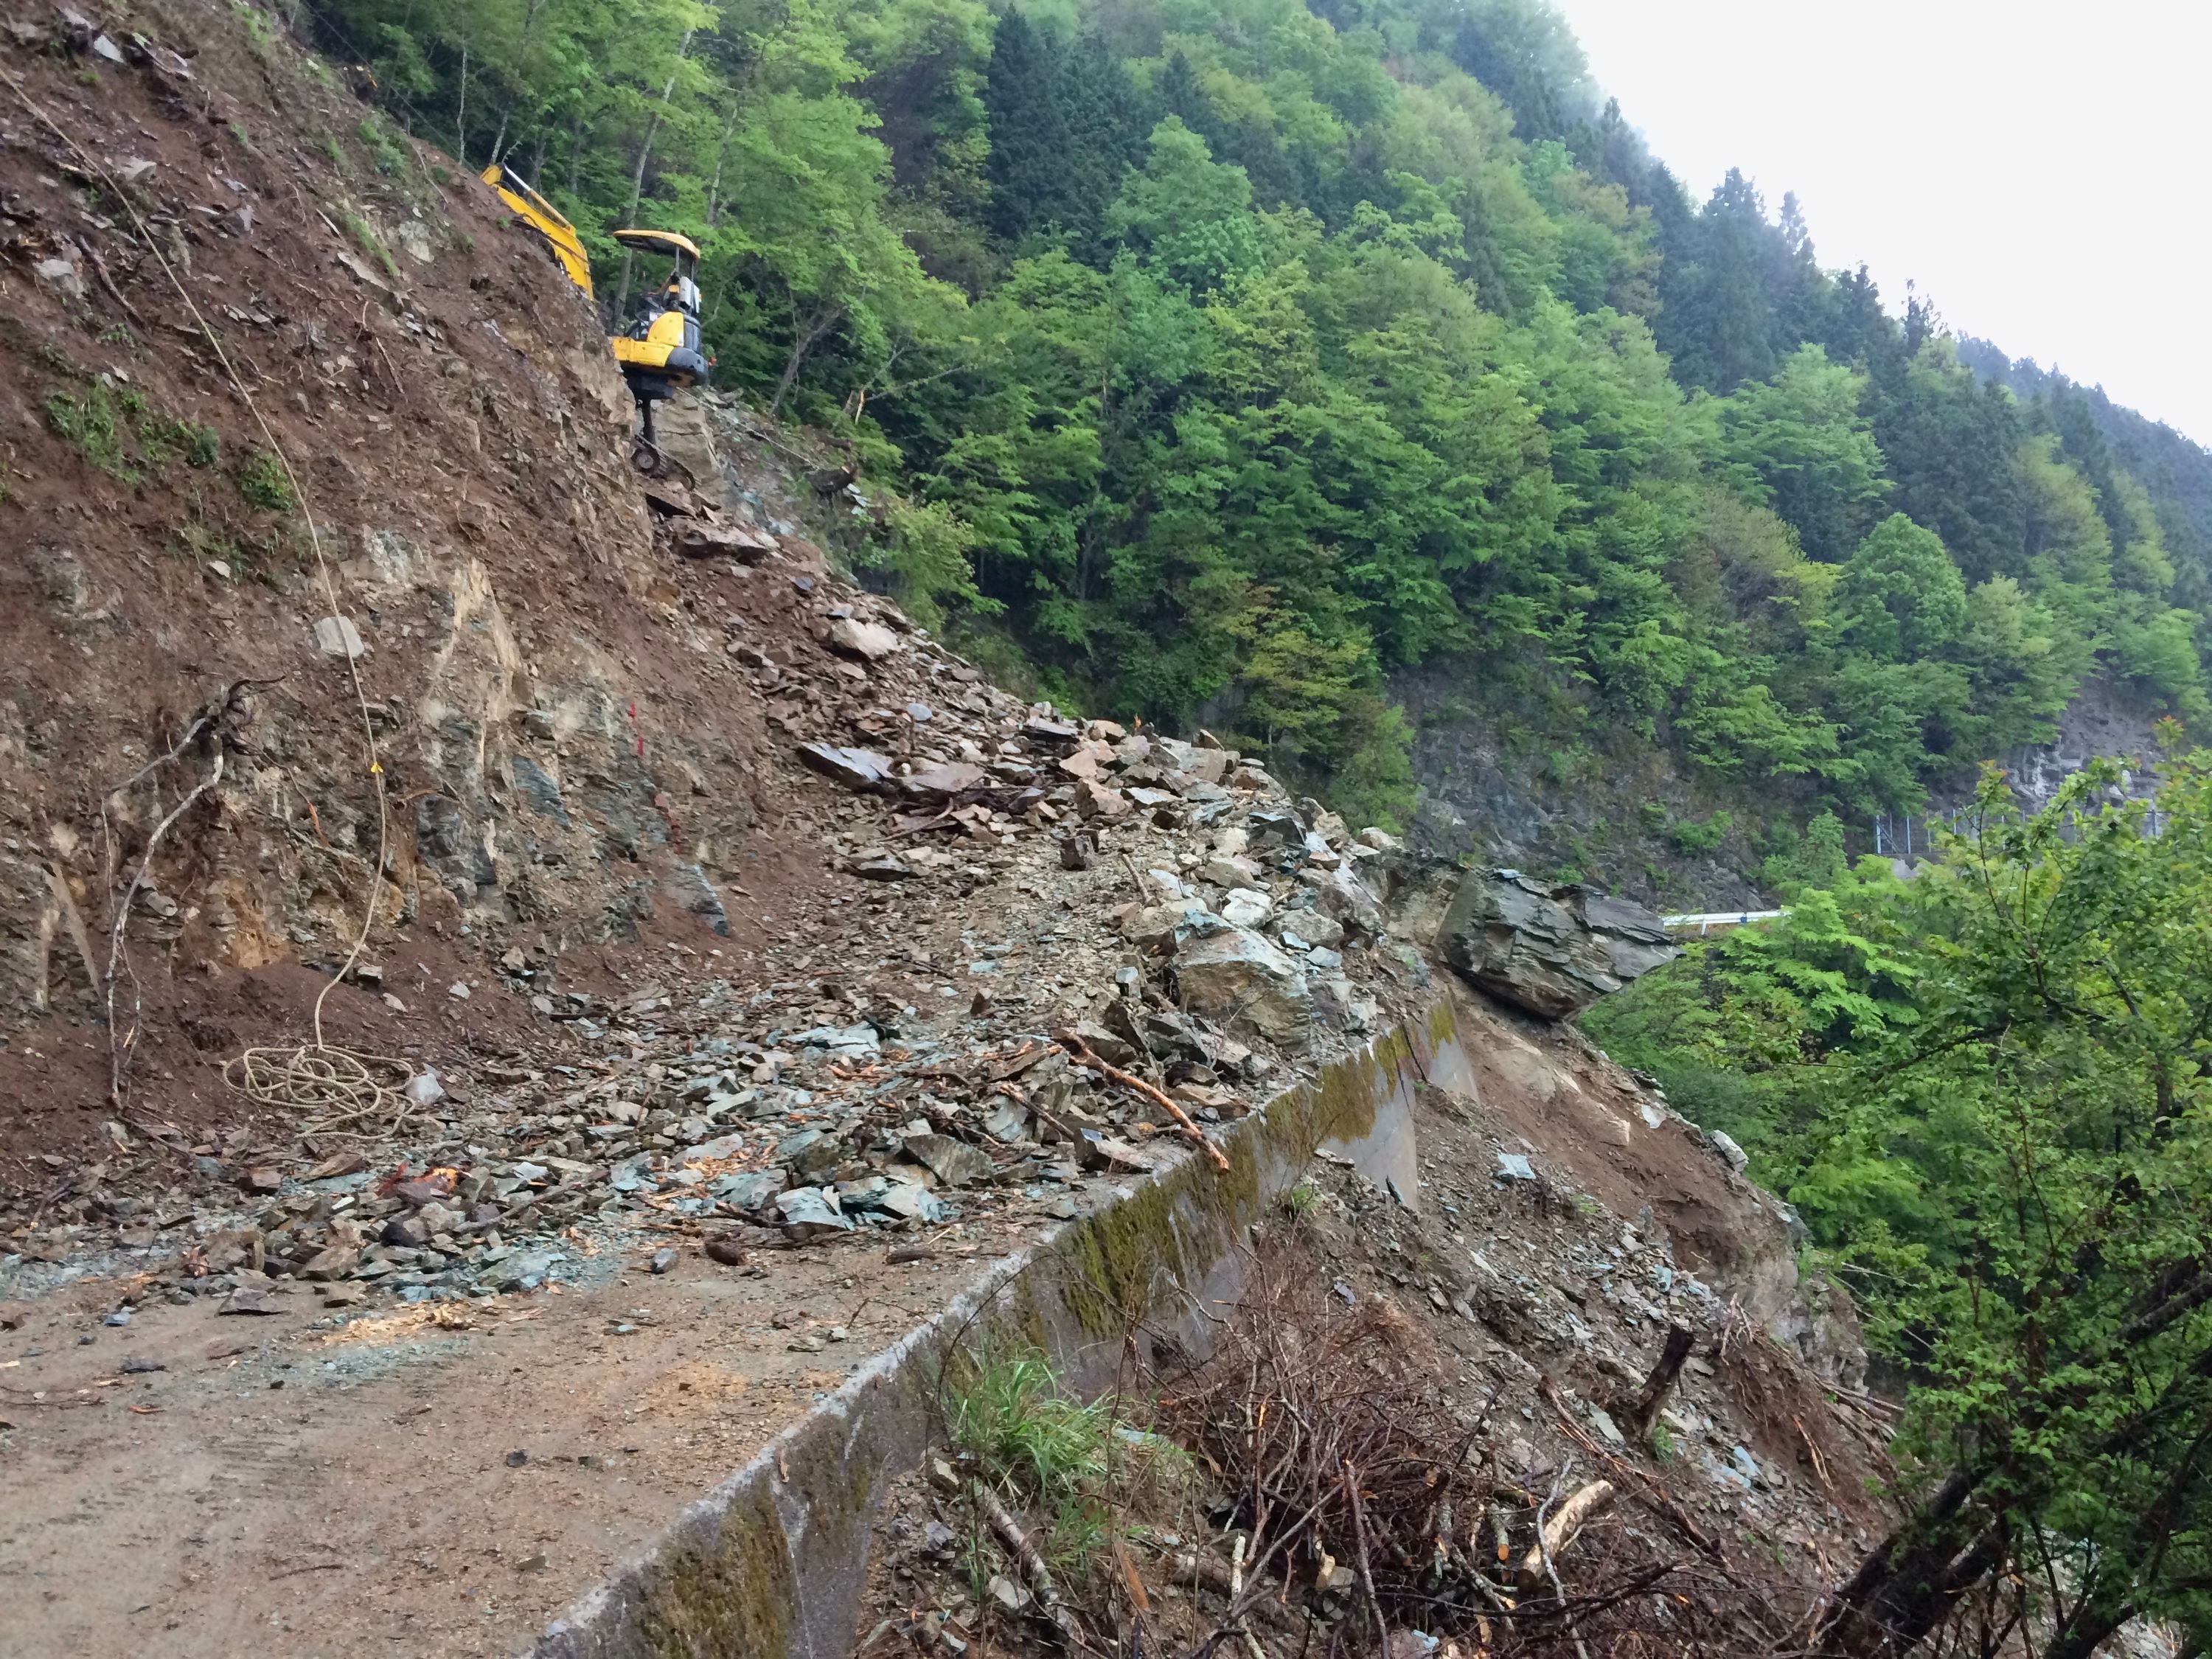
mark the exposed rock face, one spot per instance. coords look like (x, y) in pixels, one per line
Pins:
(1552, 951)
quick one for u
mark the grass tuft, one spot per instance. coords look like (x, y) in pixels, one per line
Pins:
(1076, 1472)
(262, 482)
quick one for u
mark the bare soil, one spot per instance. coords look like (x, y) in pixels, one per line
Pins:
(283, 1485)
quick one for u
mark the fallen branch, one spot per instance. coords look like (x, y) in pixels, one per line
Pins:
(1661, 1383)
(1555, 1534)
(1548, 1569)
(1026, 1558)
(1366, 1566)
(1654, 1492)
(119, 1046)
(1082, 1051)
(107, 283)
(1819, 1464)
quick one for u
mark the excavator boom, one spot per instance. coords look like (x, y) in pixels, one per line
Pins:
(548, 220)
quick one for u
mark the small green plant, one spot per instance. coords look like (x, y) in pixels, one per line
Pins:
(255, 23)
(1067, 1463)
(1694, 837)
(387, 157)
(336, 151)
(164, 438)
(207, 538)
(1301, 1199)
(365, 237)
(97, 424)
(1663, 1446)
(441, 173)
(262, 482)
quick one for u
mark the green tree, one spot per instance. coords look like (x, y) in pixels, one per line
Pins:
(1988, 1090)
(1802, 447)
(1029, 134)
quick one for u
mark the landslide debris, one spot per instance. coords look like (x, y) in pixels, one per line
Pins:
(1400, 1396)
(722, 911)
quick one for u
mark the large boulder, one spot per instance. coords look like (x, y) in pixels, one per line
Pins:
(1239, 978)
(1552, 951)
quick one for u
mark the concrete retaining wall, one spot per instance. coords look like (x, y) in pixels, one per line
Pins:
(771, 1564)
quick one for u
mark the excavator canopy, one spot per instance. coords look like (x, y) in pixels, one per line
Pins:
(660, 242)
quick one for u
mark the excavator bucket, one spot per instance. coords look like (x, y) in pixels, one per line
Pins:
(542, 216)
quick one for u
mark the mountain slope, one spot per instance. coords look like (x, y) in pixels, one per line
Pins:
(1245, 364)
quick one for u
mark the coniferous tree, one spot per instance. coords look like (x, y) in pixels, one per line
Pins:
(1104, 141)
(1029, 136)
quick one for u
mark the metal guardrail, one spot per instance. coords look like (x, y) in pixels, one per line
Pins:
(1704, 921)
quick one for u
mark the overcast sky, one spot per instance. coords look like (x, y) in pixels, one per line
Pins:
(2040, 171)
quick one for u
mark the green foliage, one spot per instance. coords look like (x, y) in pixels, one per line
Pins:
(1807, 450)
(386, 153)
(263, 484)
(1988, 1090)
(162, 437)
(365, 238)
(1240, 358)
(1695, 837)
(928, 556)
(120, 432)
(258, 26)
(97, 424)
(1040, 1450)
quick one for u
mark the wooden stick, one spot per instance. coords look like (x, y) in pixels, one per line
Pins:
(1027, 1558)
(1366, 1567)
(1586, 1505)
(1082, 1051)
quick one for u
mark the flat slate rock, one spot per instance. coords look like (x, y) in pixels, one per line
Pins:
(856, 768)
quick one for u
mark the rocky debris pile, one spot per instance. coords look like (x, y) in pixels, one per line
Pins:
(1553, 951)
(1017, 874)
(1166, 902)
(692, 527)
(1575, 1303)
(742, 1123)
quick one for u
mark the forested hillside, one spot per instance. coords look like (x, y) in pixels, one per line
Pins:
(1234, 354)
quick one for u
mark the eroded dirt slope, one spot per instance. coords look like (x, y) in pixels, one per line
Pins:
(561, 768)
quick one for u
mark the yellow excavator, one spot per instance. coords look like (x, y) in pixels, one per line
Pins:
(658, 350)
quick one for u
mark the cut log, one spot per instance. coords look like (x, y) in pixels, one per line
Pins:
(1585, 1506)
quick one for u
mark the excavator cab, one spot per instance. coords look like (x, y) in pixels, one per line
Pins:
(660, 351)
